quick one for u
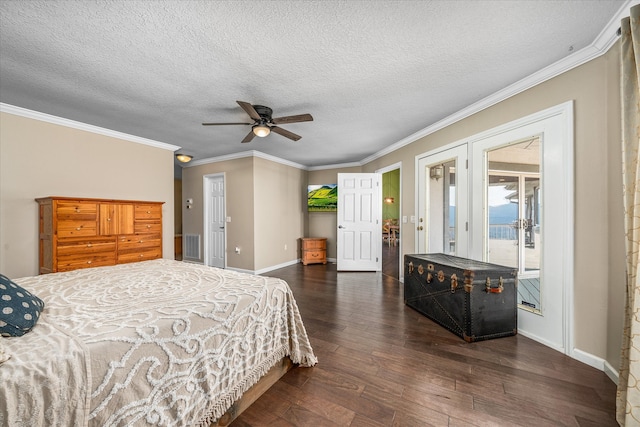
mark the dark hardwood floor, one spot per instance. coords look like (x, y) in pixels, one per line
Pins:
(383, 364)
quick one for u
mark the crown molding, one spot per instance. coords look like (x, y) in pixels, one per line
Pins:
(601, 44)
(36, 115)
(336, 166)
(243, 154)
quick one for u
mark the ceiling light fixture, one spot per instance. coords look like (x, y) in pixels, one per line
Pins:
(261, 130)
(184, 158)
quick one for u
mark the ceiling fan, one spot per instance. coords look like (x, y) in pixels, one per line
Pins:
(263, 123)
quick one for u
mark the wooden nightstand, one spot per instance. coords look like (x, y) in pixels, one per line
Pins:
(314, 250)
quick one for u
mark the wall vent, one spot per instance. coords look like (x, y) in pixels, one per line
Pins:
(192, 247)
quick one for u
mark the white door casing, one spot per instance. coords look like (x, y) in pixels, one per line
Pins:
(359, 233)
(214, 221)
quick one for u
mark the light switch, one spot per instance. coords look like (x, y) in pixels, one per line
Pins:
(404, 219)
(413, 219)
(228, 219)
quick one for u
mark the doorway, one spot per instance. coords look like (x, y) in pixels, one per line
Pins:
(215, 243)
(391, 221)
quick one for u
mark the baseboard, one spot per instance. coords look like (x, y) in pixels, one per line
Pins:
(240, 270)
(275, 267)
(588, 358)
(596, 362)
(541, 340)
(581, 356)
(611, 372)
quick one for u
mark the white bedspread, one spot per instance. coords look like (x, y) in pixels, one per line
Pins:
(158, 342)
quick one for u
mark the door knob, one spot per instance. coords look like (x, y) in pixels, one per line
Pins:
(420, 228)
(340, 226)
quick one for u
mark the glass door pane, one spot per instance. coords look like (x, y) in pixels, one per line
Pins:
(513, 215)
(503, 201)
(532, 227)
(441, 217)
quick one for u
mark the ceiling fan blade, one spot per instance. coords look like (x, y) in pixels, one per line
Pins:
(224, 124)
(249, 137)
(249, 109)
(292, 119)
(285, 133)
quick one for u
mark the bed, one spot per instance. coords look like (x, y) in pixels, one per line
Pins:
(158, 342)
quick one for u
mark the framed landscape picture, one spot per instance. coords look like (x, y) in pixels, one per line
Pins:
(322, 198)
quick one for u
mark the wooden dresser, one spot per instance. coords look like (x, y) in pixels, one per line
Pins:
(81, 233)
(314, 250)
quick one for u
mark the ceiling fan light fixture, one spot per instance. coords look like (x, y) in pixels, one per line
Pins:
(183, 158)
(261, 130)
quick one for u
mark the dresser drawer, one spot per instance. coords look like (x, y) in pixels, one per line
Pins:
(75, 261)
(143, 254)
(74, 228)
(86, 247)
(71, 210)
(135, 242)
(143, 211)
(147, 227)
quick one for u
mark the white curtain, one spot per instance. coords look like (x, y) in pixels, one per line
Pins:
(628, 396)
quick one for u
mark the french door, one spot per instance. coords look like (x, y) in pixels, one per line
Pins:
(442, 220)
(511, 167)
(512, 217)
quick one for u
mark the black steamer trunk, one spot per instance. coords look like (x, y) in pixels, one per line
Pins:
(474, 300)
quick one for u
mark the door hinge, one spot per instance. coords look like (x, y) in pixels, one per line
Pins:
(376, 259)
(467, 163)
(466, 226)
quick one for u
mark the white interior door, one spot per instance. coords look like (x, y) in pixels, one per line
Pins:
(215, 221)
(543, 204)
(442, 220)
(359, 222)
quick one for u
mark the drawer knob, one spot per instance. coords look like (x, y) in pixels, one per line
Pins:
(79, 228)
(140, 241)
(148, 226)
(148, 212)
(77, 209)
(89, 245)
(88, 262)
(108, 219)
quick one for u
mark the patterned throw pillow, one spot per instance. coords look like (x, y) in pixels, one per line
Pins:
(19, 309)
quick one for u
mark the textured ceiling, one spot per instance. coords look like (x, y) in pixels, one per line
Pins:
(370, 72)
